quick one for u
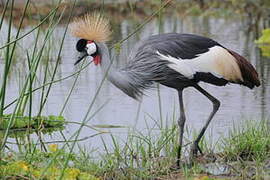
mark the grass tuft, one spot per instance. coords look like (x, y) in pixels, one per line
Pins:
(251, 142)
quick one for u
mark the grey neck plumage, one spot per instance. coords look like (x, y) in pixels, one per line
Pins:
(122, 79)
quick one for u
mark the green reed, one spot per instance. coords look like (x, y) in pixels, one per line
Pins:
(251, 142)
(33, 60)
(7, 62)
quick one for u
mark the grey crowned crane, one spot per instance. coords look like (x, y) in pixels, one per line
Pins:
(175, 60)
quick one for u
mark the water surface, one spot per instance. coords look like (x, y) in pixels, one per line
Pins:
(238, 103)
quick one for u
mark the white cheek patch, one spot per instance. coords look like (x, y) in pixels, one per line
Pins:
(91, 48)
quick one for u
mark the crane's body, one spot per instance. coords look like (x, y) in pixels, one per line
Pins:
(174, 60)
(178, 61)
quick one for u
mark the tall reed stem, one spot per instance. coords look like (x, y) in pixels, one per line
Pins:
(7, 62)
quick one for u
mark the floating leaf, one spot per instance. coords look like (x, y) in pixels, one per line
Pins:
(20, 122)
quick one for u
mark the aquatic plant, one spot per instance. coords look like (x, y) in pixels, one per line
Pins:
(20, 122)
(264, 42)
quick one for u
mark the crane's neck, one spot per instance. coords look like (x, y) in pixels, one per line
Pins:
(106, 62)
(119, 77)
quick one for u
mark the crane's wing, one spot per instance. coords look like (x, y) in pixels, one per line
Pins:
(197, 57)
(189, 55)
(181, 46)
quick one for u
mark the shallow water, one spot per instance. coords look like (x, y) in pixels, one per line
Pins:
(238, 103)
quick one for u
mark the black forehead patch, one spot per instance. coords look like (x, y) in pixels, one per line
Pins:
(81, 44)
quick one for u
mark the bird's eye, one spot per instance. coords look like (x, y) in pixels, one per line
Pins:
(81, 44)
(91, 48)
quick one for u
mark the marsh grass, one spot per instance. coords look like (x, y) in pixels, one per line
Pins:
(142, 155)
(145, 154)
(249, 142)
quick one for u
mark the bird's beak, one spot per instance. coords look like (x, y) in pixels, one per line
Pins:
(82, 55)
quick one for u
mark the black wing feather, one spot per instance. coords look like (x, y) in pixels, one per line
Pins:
(184, 46)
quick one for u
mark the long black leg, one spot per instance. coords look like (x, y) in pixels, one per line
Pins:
(181, 124)
(195, 147)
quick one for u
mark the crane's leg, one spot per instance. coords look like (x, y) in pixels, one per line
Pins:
(181, 124)
(195, 146)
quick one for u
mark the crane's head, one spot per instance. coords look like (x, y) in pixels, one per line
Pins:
(91, 29)
(87, 48)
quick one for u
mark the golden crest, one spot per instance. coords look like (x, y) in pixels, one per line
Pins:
(93, 27)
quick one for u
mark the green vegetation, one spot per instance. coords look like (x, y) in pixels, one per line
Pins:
(146, 154)
(250, 143)
(33, 167)
(265, 38)
(149, 154)
(264, 42)
(20, 122)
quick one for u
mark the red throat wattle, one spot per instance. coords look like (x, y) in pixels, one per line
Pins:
(97, 59)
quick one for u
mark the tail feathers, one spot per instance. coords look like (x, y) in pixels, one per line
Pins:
(249, 74)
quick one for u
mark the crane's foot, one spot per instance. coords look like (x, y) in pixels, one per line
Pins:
(195, 148)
